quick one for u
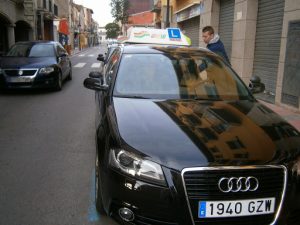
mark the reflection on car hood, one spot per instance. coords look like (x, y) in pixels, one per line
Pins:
(189, 133)
(26, 62)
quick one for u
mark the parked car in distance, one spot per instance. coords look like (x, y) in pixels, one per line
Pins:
(35, 64)
(181, 140)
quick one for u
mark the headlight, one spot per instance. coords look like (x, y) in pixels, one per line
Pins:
(135, 166)
(47, 70)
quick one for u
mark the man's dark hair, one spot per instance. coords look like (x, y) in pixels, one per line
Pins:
(209, 29)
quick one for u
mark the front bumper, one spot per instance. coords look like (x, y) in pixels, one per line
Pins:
(29, 82)
(151, 204)
(157, 205)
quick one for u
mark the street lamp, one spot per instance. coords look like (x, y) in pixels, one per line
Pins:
(168, 14)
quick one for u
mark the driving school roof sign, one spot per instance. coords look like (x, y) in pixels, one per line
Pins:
(169, 36)
(174, 34)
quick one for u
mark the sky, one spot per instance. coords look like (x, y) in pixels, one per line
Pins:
(101, 9)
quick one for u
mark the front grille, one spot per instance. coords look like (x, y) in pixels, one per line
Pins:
(201, 184)
(26, 72)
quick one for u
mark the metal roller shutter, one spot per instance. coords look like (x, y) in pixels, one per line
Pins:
(226, 24)
(192, 29)
(291, 78)
(267, 44)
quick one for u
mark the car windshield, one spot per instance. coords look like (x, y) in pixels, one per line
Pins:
(37, 50)
(178, 76)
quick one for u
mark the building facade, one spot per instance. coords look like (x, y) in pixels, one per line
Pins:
(17, 22)
(101, 35)
(144, 19)
(138, 6)
(140, 14)
(58, 20)
(261, 38)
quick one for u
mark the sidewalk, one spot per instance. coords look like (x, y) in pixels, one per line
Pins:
(77, 51)
(288, 114)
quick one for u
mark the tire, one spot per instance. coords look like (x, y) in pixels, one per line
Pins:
(98, 193)
(58, 85)
(70, 74)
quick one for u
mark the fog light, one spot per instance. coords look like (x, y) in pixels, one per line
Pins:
(126, 214)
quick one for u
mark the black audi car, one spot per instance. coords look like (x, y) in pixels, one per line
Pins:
(181, 140)
(36, 64)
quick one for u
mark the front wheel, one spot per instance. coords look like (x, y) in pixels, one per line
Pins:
(99, 204)
(58, 85)
(70, 74)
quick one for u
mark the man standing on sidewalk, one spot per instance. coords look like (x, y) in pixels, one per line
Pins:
(213, 42)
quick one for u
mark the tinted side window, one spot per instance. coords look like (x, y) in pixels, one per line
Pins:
(112, 65)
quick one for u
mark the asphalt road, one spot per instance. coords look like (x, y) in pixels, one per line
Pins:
(47, 151)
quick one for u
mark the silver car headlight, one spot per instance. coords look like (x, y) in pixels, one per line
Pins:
(47, 70)
(136, 166)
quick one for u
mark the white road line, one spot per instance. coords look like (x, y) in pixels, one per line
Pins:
(80, 65)
(96, 65)
(91, 55)
(81, 55)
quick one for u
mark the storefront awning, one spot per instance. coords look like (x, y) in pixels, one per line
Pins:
(190, 11)
(186, 7)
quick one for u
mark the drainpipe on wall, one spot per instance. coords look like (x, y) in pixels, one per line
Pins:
(168, 14)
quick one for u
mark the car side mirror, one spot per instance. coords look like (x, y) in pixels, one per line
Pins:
(255, 85)
(95, 74)
(100, 57)
(94, 84)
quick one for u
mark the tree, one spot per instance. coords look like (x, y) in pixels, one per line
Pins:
(119, 10)
(112, 30)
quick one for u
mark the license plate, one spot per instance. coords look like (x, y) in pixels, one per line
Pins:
(258, 206)
(19, 79)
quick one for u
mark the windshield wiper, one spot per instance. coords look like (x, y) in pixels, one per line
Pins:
(131, 96)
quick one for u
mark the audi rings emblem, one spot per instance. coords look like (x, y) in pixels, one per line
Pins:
(238, 184)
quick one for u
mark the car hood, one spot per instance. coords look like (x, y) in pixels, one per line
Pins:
(190, 133)
(26, 62)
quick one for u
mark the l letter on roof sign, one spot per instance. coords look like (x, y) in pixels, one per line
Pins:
(174, 33)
